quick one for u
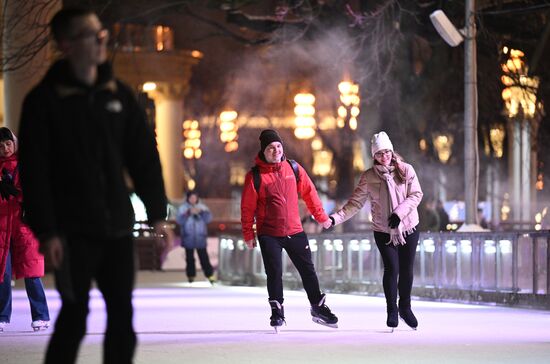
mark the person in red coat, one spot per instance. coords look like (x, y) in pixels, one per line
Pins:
(273, 206)
(19, 254)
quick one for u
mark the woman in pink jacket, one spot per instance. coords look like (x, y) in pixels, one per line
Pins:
(19, 254)
(394, 192)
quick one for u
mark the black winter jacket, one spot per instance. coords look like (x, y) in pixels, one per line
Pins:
(78, 145)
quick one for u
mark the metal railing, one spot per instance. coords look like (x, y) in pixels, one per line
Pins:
(510, 268)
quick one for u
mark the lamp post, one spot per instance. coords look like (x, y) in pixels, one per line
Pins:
(523, 112)
(454, 37)
(443, 144)
(497, 133)
(471, 156)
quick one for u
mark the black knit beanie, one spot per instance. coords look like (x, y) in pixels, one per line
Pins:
(267, 137)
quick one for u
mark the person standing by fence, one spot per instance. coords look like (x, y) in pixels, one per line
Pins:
(193, 218)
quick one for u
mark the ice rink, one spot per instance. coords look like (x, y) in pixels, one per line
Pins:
(181, 323)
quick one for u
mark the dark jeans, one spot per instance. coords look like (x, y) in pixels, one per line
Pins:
(203, 258)
(35, 293)
(111, 263)
(297, 248)
(398, 268)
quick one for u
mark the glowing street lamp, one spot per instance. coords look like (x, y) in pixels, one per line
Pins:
(228, 130)
(521, 90)
(349, 108)
(496, 136)
(192, 140)
(304, 112)
(443, 145)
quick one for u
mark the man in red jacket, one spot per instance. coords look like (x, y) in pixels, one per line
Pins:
(274, 207)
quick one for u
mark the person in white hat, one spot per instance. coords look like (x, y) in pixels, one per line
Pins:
(393, 189)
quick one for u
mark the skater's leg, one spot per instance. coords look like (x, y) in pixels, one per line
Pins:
(407, 254)
(390, 260)
(271, 254)
(299, 252)
(205, 262)
(115, 280)
(70, 326)
(190, 264)
(297, 248)
(5, 293)
(37, 299)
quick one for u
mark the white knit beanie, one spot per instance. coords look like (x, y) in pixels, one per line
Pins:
(380, 141)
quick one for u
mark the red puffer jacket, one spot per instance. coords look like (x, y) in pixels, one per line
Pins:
(275, 206)
(27, 262)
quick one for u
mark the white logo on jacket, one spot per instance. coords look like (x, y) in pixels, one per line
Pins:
(114, 106)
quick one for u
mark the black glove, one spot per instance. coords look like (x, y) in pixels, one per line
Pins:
(3, 191)
(7, 188)
(394, 221)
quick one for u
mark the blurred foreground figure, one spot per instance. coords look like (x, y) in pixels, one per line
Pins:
(82, 133)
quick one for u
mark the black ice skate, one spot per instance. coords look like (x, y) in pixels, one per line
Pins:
(277, 315)
(406, 314)
(393, 319)
(321, 314)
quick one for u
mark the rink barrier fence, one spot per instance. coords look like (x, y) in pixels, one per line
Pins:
(504, 268)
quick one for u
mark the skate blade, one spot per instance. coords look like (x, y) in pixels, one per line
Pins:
(414, 328)
(40, 328)
(321, 322)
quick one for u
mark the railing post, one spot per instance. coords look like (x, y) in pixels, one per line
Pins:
(422, 261)
(535, 266)
(498, 263)
(360, 262)
(515, 263)
(458, 245)
(347, 250)
(547, 265)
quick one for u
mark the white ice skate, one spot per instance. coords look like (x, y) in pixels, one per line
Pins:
(40, 325)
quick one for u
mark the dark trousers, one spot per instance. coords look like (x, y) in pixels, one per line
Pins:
(110, 262)
(297, 248)
(203, 258)
(398, 268)
(35, 293)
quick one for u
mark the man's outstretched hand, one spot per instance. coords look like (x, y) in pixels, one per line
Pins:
(251, 244)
